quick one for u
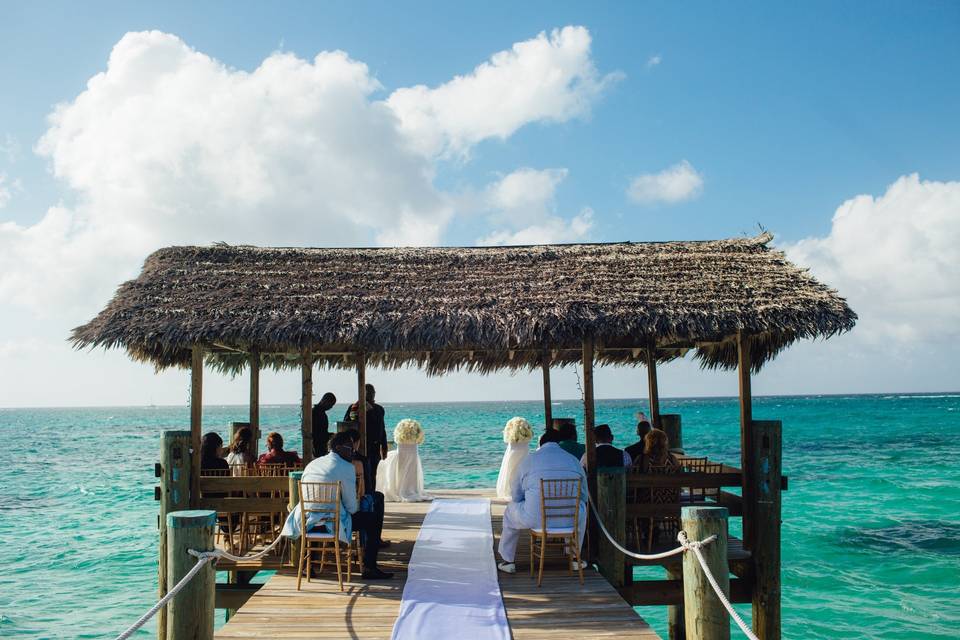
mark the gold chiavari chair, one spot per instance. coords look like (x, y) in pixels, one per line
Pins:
(559, 524)
(322, 499)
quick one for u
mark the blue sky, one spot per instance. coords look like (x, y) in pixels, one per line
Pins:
(784, 115)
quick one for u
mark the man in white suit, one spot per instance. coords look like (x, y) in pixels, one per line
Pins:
(549, 462)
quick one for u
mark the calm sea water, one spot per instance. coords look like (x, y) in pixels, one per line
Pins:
(871, 533)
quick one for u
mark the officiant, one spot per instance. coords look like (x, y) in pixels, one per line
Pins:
(376, 431)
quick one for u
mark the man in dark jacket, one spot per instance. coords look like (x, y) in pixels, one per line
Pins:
(376, 431)
(636, 449)
(321, 424)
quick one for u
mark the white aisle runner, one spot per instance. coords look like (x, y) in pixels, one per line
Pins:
(452, 589)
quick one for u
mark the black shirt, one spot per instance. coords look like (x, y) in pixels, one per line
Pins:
(636, 453)
(321, 431)
(376, 427)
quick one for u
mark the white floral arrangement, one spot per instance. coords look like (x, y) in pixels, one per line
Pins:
(517, 430)
(408, 431)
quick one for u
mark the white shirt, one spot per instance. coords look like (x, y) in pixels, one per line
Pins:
(549, 462)
(328, 468)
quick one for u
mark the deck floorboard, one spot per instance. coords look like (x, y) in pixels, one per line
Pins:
(558, 609)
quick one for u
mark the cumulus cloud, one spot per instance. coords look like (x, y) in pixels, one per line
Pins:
(524, 201)
(896, 258)
(674, 184)
(547, 78)
(7, 188)
(168, 145)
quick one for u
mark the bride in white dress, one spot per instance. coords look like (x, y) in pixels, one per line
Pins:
(400, 476)
(517, 434)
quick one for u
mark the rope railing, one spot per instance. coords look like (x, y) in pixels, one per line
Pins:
(203, 559)
(685, 545)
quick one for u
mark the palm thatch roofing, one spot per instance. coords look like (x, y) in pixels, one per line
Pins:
(479, 308)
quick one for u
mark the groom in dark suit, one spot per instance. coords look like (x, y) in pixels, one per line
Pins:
(376, 431)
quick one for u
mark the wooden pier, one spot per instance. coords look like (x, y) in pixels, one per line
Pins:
(561, 608)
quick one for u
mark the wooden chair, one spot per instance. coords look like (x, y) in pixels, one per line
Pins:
(322, 498)
(662, 495)
(227, 523)
(637, 496)
(559, 524)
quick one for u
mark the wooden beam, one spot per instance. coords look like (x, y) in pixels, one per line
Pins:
(547, 400)
(589, 417)
(255, 394)
(670, 592)
(196, 421)
(654, 392)
(746, 437)
(362, 400)
(233, 596)
(306, 405)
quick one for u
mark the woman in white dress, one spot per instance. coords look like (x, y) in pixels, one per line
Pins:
(400, 476)
(517, 434)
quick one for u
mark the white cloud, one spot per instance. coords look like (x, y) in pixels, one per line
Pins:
(169, 146)
(7, 188)
(545, 79)
(674, 184)
(549, 231)
(654, 60)
(525, 202)
(896, 258)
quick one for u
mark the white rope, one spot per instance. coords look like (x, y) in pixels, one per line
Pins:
(639, 556)
(685, 545)
(203, 558)
(229, 556)
(695, 547)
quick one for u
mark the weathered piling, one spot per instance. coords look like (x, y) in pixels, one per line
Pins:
(174, 473)
(705, 616)
(676, 627)
(190, 612)
(767, 439)
(611, 503)
(670, 424)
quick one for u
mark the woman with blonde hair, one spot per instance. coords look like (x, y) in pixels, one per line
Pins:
(241, 449)
(656, 452)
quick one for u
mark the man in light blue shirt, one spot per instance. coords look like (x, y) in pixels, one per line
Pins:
(337, 466)
(549, 462)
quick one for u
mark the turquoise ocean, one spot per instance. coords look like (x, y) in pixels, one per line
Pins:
(871, 531)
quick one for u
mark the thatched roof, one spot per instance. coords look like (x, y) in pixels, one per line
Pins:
(479, 308)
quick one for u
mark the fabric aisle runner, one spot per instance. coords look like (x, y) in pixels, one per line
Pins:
(452, 588)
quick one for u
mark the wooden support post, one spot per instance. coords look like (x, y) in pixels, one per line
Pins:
(306, 406)
(255, 398)
(746, 437)
(196, 421)
(611, 503)
(190, 612)
(362, 401)
(175, 471)
(588, 440)
(670, 423)
(706, 618)
(652, 389)
(767, 439)
(676, 627)
(294, 478)
(547, 400)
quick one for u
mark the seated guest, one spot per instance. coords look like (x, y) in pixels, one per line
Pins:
(362, 467)
(656, 452)
(636, 449)
(607, 454)
(275, 453)
(337, 466)
(241, 448)
(210, 459)
(567, 432)
(549, 462)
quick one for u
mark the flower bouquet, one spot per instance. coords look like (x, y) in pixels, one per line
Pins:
(408, 431)
(517, 430)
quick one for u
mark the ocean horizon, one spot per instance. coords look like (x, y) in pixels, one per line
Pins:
(871, 520)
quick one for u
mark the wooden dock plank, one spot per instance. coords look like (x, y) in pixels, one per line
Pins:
(558, 609)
